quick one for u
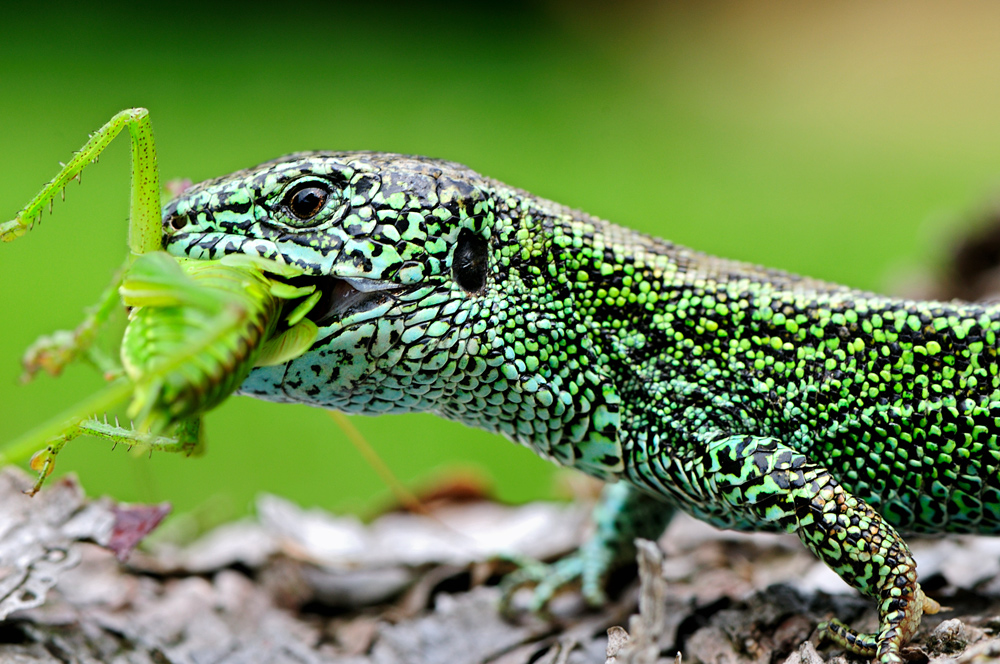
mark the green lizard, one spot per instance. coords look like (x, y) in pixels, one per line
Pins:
(748, 397)
(751, 398)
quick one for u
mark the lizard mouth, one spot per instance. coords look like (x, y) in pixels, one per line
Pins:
(341, 297)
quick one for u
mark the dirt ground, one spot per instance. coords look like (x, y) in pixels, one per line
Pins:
(294, 585)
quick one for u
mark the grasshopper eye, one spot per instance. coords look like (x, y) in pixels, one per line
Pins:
(305, 201)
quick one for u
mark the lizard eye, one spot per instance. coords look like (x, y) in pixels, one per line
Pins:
(306, 200)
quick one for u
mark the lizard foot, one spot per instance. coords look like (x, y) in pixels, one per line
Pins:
(884, 646)
(623, 514)
(859, 643)
(576, 570)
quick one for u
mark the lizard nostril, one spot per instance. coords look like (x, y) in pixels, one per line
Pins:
(178, 222)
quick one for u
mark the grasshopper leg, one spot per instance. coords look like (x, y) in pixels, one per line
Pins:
(187, 440)
(52, 352)
(144, 209)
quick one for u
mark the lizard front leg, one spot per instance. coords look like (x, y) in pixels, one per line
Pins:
(766, 482)
(622, 514)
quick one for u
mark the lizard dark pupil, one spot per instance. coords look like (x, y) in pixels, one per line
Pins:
(306, 203)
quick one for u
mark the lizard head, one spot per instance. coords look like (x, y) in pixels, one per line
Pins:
(438, 293)
(367, 222)
(400, 248)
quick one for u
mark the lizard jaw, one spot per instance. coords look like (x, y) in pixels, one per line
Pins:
(342, 297)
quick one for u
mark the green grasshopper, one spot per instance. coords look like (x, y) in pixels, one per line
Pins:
(195, 329)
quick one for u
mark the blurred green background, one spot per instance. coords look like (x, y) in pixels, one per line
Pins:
(841, 140)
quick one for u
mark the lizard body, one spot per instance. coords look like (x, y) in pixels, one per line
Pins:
(751, 398)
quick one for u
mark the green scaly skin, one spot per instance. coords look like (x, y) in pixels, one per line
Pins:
(751, 398)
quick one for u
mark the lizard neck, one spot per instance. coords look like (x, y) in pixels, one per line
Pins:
(584, 312)
(586, 316)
